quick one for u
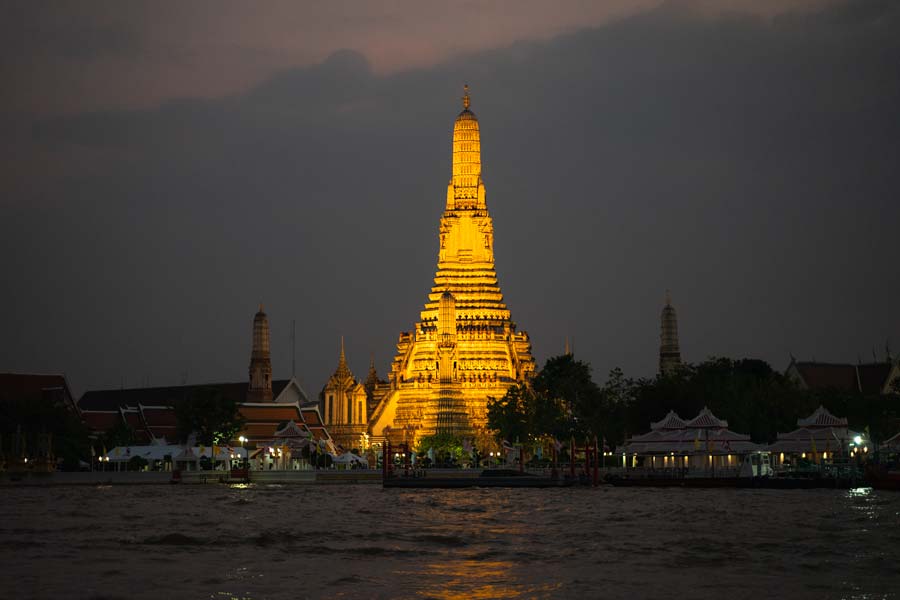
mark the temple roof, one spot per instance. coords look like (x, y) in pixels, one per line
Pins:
(707, 420)
(822, 418)
(670, 421)
(866, 378)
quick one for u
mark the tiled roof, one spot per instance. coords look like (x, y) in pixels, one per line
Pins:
(165, 396)
(270, 413)
(706, 420)
(670, 421)
(873, 376)
(821, 418)
(828, 375)
(28, 386)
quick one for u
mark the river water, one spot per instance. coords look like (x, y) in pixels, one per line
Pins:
(359, 541)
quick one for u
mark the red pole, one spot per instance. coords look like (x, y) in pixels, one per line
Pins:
(587, 457)
(572, 457)
(596, 460)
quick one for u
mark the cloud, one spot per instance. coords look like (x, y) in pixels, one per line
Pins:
(747, 163)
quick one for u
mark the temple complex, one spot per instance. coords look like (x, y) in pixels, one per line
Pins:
(465, 347)
(669, 352)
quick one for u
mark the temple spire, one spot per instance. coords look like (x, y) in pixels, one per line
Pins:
(669, 351)
(342, 369)
(260, 371)
(465, 99)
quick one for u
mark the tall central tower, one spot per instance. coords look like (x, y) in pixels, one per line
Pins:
(465, 347)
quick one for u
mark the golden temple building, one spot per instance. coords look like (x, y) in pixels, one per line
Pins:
(465, 347)
(344, 403)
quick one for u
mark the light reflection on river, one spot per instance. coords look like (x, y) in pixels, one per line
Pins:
(364, 542)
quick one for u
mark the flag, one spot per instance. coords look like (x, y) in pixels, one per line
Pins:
(557, 444)
(93, 452)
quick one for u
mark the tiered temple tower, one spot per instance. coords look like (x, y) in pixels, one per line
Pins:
(260, 389)
(465, 348)
(669, 352)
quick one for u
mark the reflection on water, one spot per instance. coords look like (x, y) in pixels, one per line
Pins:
(472, 578)
(258, 542)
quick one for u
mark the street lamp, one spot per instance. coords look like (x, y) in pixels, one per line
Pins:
(244, 461)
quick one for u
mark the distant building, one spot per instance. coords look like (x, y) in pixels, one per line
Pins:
(863, 378)
(260, 389)
(669, 351)
(266, 405)
(345, 406)
(30, 387)
(150, 412)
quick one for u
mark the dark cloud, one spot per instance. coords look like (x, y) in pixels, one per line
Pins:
(748, 164)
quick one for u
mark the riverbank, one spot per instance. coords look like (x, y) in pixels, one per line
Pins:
(190, 478)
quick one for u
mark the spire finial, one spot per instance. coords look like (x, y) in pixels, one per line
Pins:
(260, 307)
(668, 297)
(465, 99)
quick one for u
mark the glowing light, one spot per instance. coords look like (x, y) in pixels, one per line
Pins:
(857, 440)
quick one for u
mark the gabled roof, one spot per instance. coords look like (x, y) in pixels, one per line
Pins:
(292, 430)
(165, 396)
(36, 387)
(816, 375)
(873, 377)
(866, 378)
(311, 416)
(670, 421)
(706, 420)
(821, 418)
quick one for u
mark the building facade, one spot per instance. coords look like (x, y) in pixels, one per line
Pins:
(344, 405)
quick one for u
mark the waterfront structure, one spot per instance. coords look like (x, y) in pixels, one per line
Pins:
(150, 412)
(264, 404)
(704, 442)
(465, 348)
(260, 388)
(669, 350)
(344, 405)
(873, 378)
(818, 438)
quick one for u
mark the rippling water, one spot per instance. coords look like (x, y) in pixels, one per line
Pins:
(361, 541)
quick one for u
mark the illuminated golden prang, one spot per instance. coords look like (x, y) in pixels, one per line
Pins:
(465, 348)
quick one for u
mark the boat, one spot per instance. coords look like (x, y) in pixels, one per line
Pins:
(507, 478)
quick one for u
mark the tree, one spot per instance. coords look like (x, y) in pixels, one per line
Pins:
(561, 401)
(509, 416)
(210, 415)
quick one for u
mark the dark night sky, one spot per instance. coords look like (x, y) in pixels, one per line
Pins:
(167, 168)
